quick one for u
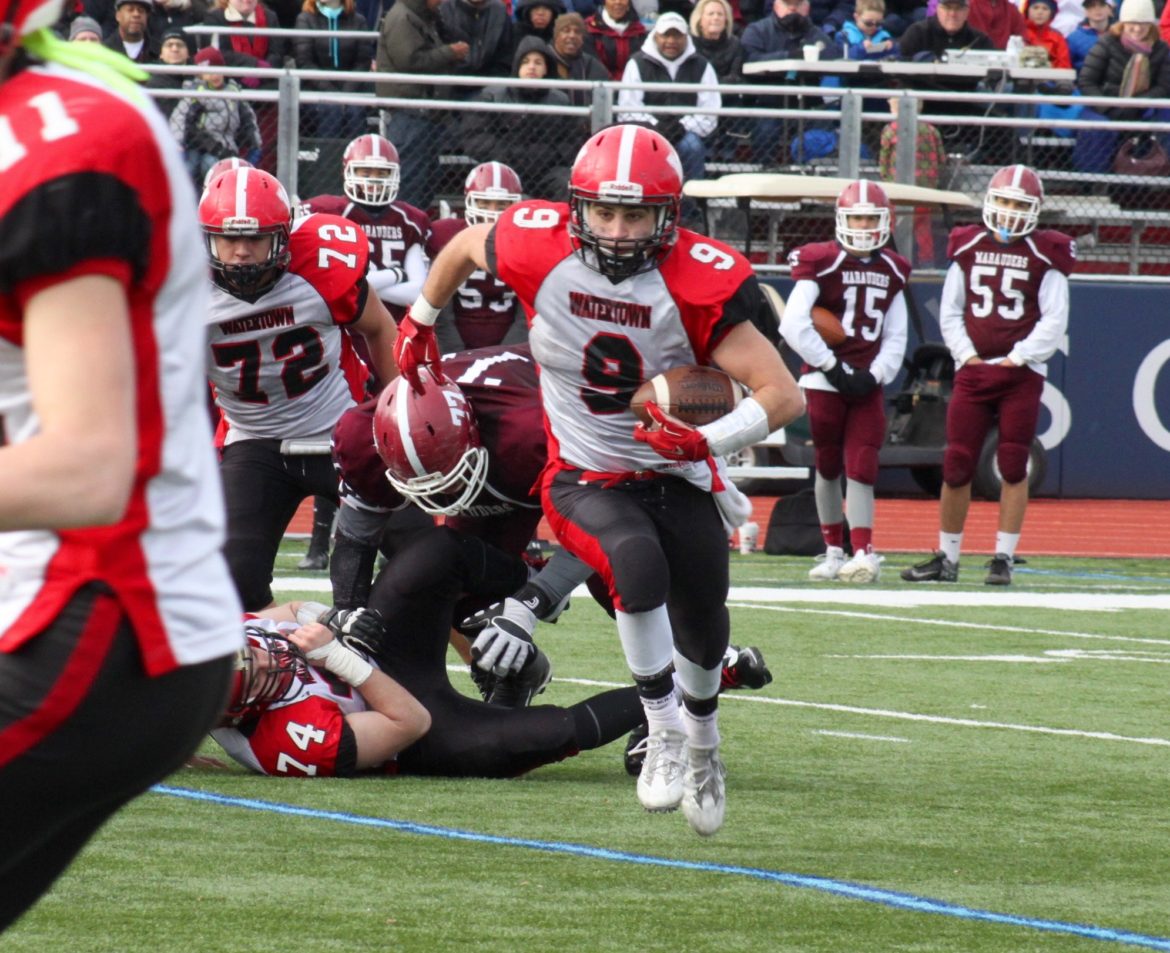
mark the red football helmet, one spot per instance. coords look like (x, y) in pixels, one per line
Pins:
(225, 165)
(868, 199)
(489, 182)
(1013, 183)
(266, 668)
(369, 169)
(625, 165)
(244, 203)
(19, 18)
(430, 444)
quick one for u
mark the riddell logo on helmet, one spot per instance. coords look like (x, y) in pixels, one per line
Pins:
(620, 190)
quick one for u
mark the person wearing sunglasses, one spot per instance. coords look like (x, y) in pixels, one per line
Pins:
(865, 38)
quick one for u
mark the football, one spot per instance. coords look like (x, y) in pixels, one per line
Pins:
(693, 393)
(828, 326)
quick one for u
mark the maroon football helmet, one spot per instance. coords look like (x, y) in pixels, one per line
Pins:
(225, 165)
(430, 444)
(266, 668)
(625, 165)
(868, 199)
(1016, 183)
(489, 182)
(369, 170)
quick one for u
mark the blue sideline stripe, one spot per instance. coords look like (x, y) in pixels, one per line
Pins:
(890, 898)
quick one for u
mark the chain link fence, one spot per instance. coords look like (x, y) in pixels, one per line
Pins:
(952, 141)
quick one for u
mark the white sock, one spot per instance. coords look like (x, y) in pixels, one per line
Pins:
(1006, 543)
(951, 545)
(702, 730)
(663, 713)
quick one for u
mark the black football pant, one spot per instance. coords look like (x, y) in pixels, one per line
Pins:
(83, 729)
(416, 593)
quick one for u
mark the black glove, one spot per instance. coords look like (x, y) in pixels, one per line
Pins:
(362, 630)
(851, 381)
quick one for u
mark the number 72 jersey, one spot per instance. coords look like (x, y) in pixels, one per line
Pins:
(595, 340)
(276, 361)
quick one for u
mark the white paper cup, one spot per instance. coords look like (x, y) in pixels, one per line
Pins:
(749, 534)
(812, 53)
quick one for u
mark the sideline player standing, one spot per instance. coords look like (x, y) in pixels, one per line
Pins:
(862, 283)
(282, 368)
(1003, 314)
(115, 604)
(616, 293)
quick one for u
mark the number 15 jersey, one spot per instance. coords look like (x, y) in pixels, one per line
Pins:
(595, 340)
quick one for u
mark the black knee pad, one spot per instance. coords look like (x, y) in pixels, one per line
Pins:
(640, 574)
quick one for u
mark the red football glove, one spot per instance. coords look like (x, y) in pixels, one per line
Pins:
(671, 438)
(416, 347)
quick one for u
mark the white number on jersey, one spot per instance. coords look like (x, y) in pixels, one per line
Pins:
(984, 275)
(870, 308)
(536, 217)
(304, 735)
(56, 124)
(710, 255)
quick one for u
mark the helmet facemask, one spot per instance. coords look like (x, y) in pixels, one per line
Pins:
(249, 278)
(371, 181)
(867, 240)
(446, 493)
(1010, 223)
(265, 669)
(622, 258)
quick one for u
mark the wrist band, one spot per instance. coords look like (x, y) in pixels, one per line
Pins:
(745, 425)
(310, 612)
(423, 312)
(346, 665)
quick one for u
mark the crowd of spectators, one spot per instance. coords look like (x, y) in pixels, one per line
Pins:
(1112, 53)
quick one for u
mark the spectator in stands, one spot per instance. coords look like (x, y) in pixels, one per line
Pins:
(213, 128)
(999, 19)
(830, 15)
(1130, 60)
(929, 159)
(713, 33)
(538, 18)
(616, 34)
(409, 42)
(1040, 32)
(782, 35)
(1098, 19)
(174, 52)
(540, 148)
(487, 28)
(900, 14)
(261, 51)
(85, 30)
(169, 14)
(670, 57)
(131, 36)
(333, 120)
(572, 61)
(864, 37)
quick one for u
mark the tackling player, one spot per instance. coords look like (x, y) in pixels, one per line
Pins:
(863, 284)
(616, 293)
(1003, 314)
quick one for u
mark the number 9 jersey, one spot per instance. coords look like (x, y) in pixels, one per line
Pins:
(596, 338)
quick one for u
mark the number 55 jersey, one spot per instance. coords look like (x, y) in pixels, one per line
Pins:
(279, 361)
(596, 339)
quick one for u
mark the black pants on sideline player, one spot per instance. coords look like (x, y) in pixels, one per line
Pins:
(416, 593)
(83, 729)
(262, 489)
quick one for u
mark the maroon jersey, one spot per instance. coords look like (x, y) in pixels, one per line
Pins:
(1002, 302)
(392, 230)
(484, 307)
(857, 290)
(501, 384)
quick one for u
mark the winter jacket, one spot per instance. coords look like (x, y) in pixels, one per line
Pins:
(611, 47)
(1080, 41)
(1105, 66)
(853, 43)
(216, 126)
(409, 42)
(319, 53)
(772, 39)
(649, 66)
(725, 56)
(486, 28)
(524, 25)
(268, 50)
(1053, 42)
(539, 147)
(999, 19)
(927, 39)
(584, 67)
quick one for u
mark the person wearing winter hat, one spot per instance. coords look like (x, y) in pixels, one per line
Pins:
(85, 30)
(1040, 32)
(1130, 60)
(175, 51)
(1098, 19)
(568, 46)
(132, 37)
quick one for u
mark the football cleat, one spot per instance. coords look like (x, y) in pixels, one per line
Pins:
(704, 800)
(660, 782)
(936, 569)
(517, 689)
(828, 565)
(744, 668)
(635, 752)
(862, 567)
(484, 681)
(314, 561)
(999, 570)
